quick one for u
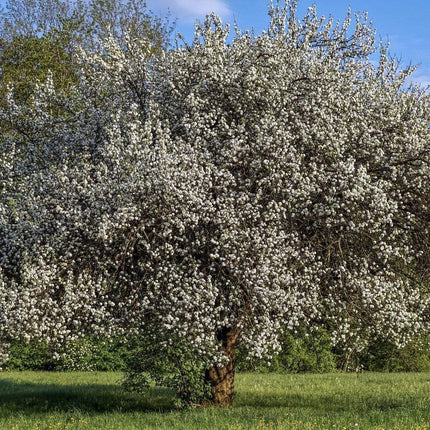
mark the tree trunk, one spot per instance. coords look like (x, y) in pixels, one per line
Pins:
(222, 378)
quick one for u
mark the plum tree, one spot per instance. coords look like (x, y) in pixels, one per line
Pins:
(219, 195)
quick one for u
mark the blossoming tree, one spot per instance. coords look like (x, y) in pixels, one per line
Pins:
(219, 195)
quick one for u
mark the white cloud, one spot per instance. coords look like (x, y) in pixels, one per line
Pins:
(190, 10)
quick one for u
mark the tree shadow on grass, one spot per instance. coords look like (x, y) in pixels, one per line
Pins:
(318, 401)
(31, 398)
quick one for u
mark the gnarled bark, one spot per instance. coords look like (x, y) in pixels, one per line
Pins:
(222, 378)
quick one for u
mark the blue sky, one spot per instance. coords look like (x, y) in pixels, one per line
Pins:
(405, 24)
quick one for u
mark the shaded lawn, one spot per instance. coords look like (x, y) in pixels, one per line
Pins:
(95, 400)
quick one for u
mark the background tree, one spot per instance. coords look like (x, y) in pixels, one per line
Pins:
(27, 60)
(40, 36)
(219, 196)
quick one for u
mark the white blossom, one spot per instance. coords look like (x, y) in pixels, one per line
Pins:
(248, 186)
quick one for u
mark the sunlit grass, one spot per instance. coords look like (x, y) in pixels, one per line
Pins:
(38, 400)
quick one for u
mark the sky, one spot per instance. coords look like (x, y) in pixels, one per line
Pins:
(405, 24)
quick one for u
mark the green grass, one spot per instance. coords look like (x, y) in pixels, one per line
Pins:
(79, 400)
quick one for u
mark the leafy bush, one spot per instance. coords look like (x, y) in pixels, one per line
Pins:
(89, 353)
(383, 356)
(303, 351)
(34, 355)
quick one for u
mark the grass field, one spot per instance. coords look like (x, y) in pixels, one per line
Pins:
(38, 400)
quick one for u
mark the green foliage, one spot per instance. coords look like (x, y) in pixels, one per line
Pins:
(27, 60)
(301, 352)
(44, 41)
(383, 356)
(89, 353)
(34, 355)
(307, 352)
(311, 351)
(177, 367)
